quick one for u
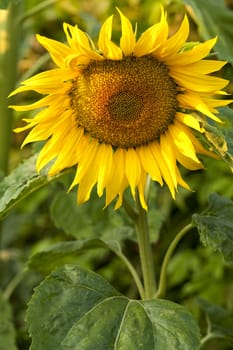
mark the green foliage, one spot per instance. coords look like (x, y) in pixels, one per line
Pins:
(214, 18)
(82, 300)
(5, 3)
(7, 333)
(89, 220)
(66, 252)
(215, 226)
(20, 183)
(219, 321)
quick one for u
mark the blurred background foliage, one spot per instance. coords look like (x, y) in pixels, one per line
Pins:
(197, 277)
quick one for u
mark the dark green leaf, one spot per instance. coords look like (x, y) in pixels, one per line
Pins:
(215, 226)
(60, 301)
(77, 309)
(20, 183)
(220, 320)
(67, 252)
(7, 334)
(214, 18)
(89, 220)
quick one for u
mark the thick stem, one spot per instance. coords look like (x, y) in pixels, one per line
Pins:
(145, 251)
(163, 274)
(8, 76)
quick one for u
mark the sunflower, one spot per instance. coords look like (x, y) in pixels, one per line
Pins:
(121, 113)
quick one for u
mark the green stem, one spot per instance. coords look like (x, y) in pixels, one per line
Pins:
(163, 274)
(8, 77)
(36, 67)
(36, 9)
(145, 251)
(133, 273)
(210, 336)
(13, 284)
(131, 212)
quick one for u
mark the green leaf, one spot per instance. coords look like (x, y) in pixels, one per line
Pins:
(67, 252)
(220, 321)
(77, 309)
(20, 183)
(214, 18)
(7, 334)
(89, 220)
(215, 226)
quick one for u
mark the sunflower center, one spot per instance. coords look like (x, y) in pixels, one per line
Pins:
(126, 103)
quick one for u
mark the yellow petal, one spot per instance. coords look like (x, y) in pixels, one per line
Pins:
(187, 162)
(87, 184)
(57, 50)
(194, 55)
(86, 161)
(48, 81)
(109, 49)
(165, 171)
(38, 133)
(168, 154)
(198, 82)
(127, 41)
(211, 103)
(105, 155)
(201, 67)
(176, 41)
(52, 147)
(141, 190)
(189, 120)
(76, 38)
(152, 38)
(149, 163)
(181, 181)
(132, 169)
(182, 139)
(192, 100)
(67, 156)
(45, 101)
(118, 182)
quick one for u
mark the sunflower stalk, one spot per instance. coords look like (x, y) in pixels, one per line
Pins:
(163, 274)
(145, 250)
(36, 9)
(8, 76)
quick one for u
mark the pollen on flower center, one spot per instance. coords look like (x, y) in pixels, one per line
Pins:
(125, 103)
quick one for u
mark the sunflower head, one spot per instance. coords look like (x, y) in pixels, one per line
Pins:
(123, 113)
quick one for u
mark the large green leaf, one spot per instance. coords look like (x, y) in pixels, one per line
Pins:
(67, 252)
(214, 18)
(7, 334)
(215, 226)
(77, 309)
(89, 220)
(220, 321)
(20, 183)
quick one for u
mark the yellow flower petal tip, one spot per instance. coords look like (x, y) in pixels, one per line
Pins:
(114, 111)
